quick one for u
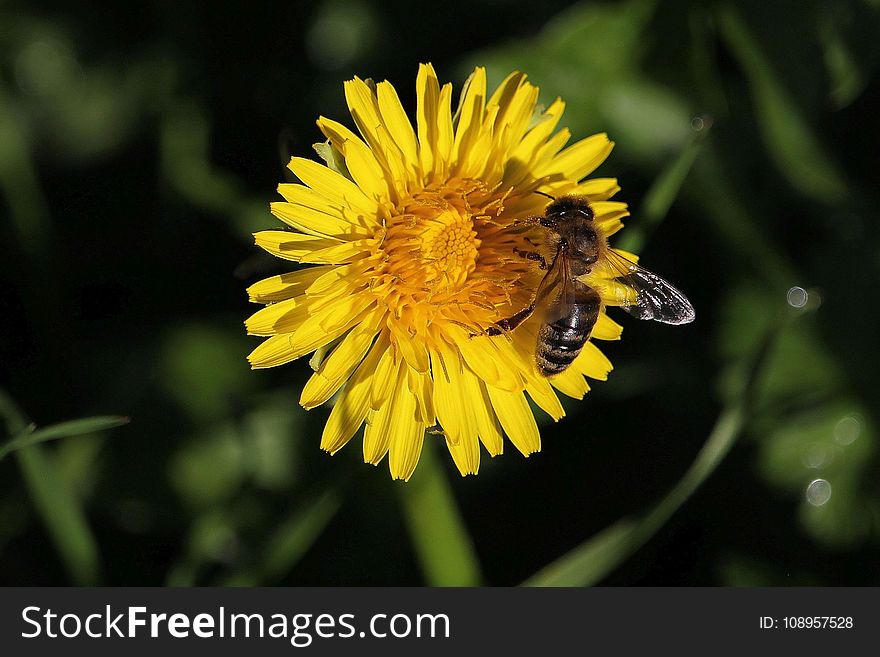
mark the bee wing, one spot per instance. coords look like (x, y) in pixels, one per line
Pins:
(655, 299)
(556, 293)
(551, 293)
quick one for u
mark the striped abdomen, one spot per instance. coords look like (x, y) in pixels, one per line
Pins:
(561, 340)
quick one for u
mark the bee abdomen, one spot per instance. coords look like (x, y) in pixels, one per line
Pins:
(560, 341)
(558, 347)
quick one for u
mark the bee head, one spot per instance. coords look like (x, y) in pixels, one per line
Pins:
(567, 208)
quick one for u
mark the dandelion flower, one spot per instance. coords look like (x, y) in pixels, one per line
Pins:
(406, 234)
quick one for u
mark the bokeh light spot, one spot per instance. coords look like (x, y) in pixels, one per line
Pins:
(818, 492)
(797, 297)
(847, 430)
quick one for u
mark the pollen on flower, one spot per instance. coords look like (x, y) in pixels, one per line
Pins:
(440, 256)
(450, 247)
(414, 255)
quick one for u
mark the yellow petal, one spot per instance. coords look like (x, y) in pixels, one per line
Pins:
(477, 352)
(524, 155)
(469, 114)
(350, 411)
(505, 91)
(629, 255)
(308, 197)
(282, 317)
(339, 253)
(608, 215)
(284, 286)
(343, 276)
(516, 419)
(482, 355)
(465, 454)
(427, 99)
(411, 347)
(542, 394)
(455, 400)
(488, 427)
(581, 158)
(292, 246)
(273, 352)
(540, 166)
(514, 117)
(376, 437)
(407, 432)
(571, 382)
(364, 107)
(325, 325)
(593, 363)
(422, 387)
(342, 361)
(473, 160)
(394, 420)
(454, 411)
(597, 189)
(384, 380)
(314, 222)
(398, 124)
(363, 166)
(606, 328)
(333, 186)
(445, 131)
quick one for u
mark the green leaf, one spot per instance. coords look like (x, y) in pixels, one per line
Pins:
(790, 140)
(591, 55)
(593, 560)
(333, 158)
(847, 74)
(442, 543)
(63, 430)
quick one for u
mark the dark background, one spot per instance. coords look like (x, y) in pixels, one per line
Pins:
(140, 145)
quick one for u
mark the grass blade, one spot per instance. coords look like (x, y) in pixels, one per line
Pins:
(790, 140)
(664, 191)
(289, 542)
(58, 507)
(63, 430)
(593, 560)
(62, 513)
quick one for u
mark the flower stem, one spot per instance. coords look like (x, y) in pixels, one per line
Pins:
(443, 545)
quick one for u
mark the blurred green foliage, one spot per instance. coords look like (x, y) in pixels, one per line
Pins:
(139, 148)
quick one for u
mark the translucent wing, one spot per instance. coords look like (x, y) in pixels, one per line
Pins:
(655, 298)
(556, 293)
(552, 294)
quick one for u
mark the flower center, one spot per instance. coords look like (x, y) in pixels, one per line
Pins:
(446, 253)
(449, 247)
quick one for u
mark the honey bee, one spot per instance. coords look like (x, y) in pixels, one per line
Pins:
(568, 308)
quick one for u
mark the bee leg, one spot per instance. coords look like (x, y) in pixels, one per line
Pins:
(528, 221)
(532, 255)
(510, 323)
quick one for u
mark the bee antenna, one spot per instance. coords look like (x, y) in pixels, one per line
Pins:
(552, 198)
